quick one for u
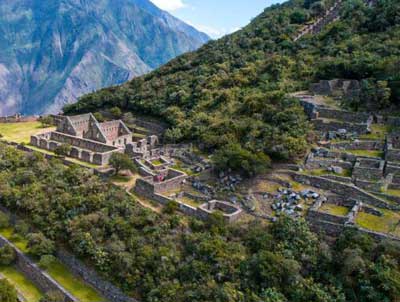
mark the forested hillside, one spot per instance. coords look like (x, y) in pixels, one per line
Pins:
(230, 94)
(170, 258)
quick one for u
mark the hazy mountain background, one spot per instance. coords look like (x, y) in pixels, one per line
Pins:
(53, 51)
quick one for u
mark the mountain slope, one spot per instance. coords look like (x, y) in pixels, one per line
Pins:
(53, 51)
(231, 90)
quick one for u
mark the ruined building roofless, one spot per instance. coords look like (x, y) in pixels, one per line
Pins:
(86, 126)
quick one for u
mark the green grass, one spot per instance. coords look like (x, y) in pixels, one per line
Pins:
(367, 153)
(320, 172)
(178, 166)
(20, 132)
(392, 192)
(157, 162)
(18, 241)
(378, 132)
(120, 178)
(189, 201)
(24, 285)
(388, 223)
(59, 272)
(73, 284)
(334, 209)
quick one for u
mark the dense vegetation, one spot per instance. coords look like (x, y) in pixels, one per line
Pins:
(231, 92)
(171, 259)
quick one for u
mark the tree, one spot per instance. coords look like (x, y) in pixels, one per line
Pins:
(39, 245)
(121, 161)
(99, 117)
(7, 292)
(63, 150)
(4, 220)
(173, 135)
(52, 296)
(7, 255)
(46, 121)
(46, 261)
(116, 112)
(318, 8)
(240, 160)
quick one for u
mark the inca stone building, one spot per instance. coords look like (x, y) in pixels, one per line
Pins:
(90, 140)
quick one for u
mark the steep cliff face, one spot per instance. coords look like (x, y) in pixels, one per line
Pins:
(53, 51)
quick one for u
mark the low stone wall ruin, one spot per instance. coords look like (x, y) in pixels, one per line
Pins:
(325, 126)
(344, 116)
(91, 277)
(359, 145)
(349, 191)
(41, 279)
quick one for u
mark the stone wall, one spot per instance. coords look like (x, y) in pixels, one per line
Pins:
(91, 277)
(392, 154)
(368, 169)
(341, 115)
(321, 216)
(41, 279)
(325, 126)
(338, 178)
(359, 145)
(82, 149)
(349, 191)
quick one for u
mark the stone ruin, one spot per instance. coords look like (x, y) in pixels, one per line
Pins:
(337, 88)
(143, 148)
(230, 212)
(160, 182)
(90, 141)
(334, 123)
(392, 147)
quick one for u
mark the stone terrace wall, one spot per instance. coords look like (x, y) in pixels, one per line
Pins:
(91, 277)
(43, 281)
(321, 125)
(342, 115)
(349, 191)
(359, 145)
(321, 216)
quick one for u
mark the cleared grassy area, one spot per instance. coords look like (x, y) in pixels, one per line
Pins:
(368, 153)
(21, 132)
(393, 192)
(388, 223)
(179, 166)
(157, 162)
(23, 284)
(73, 284)
(58, 271)
(189, 201)
(378, 132)
(320, 172)
(334, 209)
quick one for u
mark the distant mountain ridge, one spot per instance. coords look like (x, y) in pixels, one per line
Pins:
(52, 52)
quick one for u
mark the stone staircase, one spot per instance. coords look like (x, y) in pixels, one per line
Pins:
(331, 15)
